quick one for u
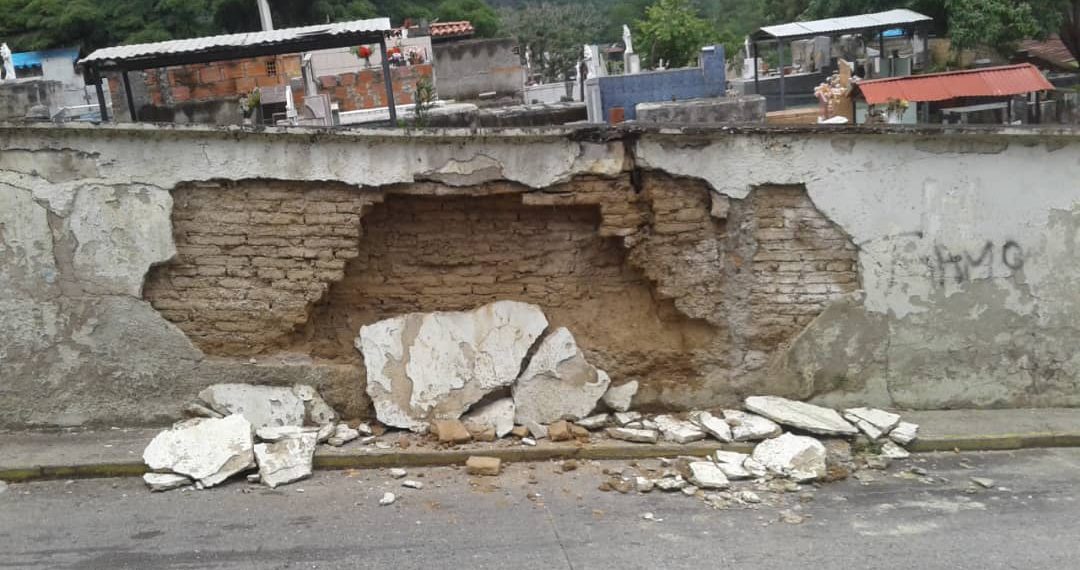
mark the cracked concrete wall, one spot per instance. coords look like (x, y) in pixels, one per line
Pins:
(966, 252)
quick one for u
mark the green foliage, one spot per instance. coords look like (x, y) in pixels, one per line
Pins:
(1000, 24)
(425, 102)
(482, 16)
(553, 33)
(675, 32)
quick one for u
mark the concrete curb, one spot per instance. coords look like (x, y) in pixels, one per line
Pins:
(360, 458)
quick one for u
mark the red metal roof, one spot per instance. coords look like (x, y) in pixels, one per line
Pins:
(987, 82)
(451, 29)
(1052, 51)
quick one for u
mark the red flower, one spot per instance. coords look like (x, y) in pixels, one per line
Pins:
(364, 52)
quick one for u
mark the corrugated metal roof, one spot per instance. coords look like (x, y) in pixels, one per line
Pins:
(212, 43)
(829, 26)
(988, 82)
(1052, 51)
(451, 29)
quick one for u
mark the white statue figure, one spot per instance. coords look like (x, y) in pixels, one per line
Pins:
(627, 40)
(8, 65)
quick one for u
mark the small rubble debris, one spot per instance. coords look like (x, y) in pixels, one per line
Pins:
(677, 430)
(568, 465)
(670, 484)
(537, 430)
(410, 484)
(650, 517)
(748, 497)
(275, 434)
(528, 441)
(689, 490)
(484, 434)
(316, 410)
(750, 427)
(708, 475)
(623, 418)
(343, 434)
(634, 435)
(790, 517)
(871, 421)
(712, 425)
(594, 422)
(558, 383)
(157, 482)
(208, 450)
(325, 432)
(520, 431)
(364, 429)
(983, 482)
(254, 478)
(498, 415)
(450, 431)
(398, 473)
(876, 462)
(478, 465)
(644, 484)
(799, 457)
(560, 431)
(287, 460)
(734, 465)
(619, 398)
(800, 415)
(904, 433)
(891, 450)
(197, 410)
(387, 499)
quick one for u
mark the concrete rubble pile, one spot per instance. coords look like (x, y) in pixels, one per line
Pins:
(240, 428)
(500, 376)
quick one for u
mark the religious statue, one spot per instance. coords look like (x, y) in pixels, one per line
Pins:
(627, 40)
(7, 66)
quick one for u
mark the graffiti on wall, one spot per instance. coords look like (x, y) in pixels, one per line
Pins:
(962, 265)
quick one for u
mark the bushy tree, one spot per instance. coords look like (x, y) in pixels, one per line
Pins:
(674, 32)
(554, 34)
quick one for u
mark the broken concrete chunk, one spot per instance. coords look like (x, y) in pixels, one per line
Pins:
(287, 460)
(364, 429)
(326, 431)
(644, 484)
(387, 499)
(623, 418)
(677, 430)
(754, 468)
(263, 406)
(410, 484)
(904, 433)
(197, 410)
(708, 475)
(634, 435)
(799, 457)
(342, 434)
(426, 366)
(893, 451)
(871, 421)
(316, 410)
(558, 384)
(670, 484)
(712, 425)
(450, 431)
(594, 422)
(750, 427)
(537, 430)
(800, 415)
(275, 434)
(398, 473)
(560, 431)
(486, 434)
(983, 482)
(619, 398)
(209, 450)
(731, 457)
(477, 465)
(159, 482)
(498, 415)
(731, 463)
(520, 431)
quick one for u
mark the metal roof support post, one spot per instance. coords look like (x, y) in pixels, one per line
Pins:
(1038, 107)
(780, 59)
(388, 81)
(130, 99)
(881, 53)
(91, 75)
(757, 89)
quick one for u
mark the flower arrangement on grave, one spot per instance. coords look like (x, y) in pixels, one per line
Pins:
(364, 53)
(250, 103)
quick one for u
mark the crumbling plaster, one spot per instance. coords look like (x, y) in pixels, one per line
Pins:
(967, 251)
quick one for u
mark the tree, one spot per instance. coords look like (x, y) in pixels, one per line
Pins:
(674, 32)
(483, 17)
(1001, 24)
(554, 35)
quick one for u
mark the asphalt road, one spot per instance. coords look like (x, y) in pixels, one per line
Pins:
(1029, 519)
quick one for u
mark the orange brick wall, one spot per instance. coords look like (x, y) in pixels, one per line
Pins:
(366, 89)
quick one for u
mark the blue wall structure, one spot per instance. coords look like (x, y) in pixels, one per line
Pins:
(626, 91)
